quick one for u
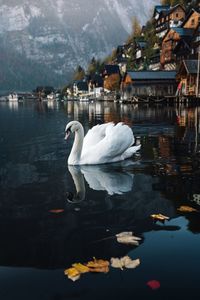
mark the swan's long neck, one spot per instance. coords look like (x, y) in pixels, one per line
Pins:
(79, 182)
(75, 155)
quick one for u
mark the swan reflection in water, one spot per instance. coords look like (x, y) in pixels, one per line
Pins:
(109, 178)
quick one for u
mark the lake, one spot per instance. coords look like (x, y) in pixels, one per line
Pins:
(52, 215)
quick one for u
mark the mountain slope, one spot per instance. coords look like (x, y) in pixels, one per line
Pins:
(52, 37)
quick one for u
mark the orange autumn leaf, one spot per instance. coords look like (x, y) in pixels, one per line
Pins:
(185, 208)
(56, 211)
(159, 217)
(96, 263)
(99, 270)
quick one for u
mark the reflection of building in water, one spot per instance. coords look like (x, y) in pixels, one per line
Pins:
(164, 143)
(13, 105)
(188, 130)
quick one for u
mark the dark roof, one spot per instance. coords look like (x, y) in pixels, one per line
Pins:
(185, 43)
(183, 31)
(152, 75)
(111, 69)
(175, 7)
(141, 44)
(82, 85)
(167, 12)
(159, 8)
(97, 80)
(191, 66)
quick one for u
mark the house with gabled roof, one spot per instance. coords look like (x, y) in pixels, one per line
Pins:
(187, 77)
(149, 83)
(192, 20)
(80, 87)
(169, 18)
(170, 41)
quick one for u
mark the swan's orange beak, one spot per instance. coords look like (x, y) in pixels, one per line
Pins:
(67, 134)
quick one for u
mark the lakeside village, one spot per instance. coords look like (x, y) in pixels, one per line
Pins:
(160, 61)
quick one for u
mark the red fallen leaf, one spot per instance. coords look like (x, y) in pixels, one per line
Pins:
(56, 211)
(153, 284)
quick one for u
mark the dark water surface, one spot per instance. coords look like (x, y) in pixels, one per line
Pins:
(52, 216)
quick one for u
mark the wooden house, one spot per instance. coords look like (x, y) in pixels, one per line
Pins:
(187, 78)
(149, 83)
(170, 41)
(168, 17)
(192, 20)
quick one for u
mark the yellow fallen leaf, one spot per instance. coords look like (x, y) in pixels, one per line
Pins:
(81, 268)
(72, 274)
(185, 208)
(159, 217)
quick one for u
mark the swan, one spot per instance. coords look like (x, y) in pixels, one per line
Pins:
(105, 143)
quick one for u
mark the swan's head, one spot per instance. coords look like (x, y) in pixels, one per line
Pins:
(72, 127)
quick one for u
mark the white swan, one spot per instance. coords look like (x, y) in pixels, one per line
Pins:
(105, 143)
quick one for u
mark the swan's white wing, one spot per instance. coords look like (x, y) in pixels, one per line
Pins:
(95, 135)
(117, 140)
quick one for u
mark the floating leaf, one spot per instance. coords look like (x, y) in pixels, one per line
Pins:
(56, 211)
(116, 263)
(153, 284)
(99, 270)
(124, 262)
(159, 217)
(128, 238)
(81, 268)
(132, 264)
(72, 273)
(185, 208)
(125, 233)
(98, 265)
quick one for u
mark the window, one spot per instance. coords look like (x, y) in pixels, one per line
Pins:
(192, 22)
(177, 15)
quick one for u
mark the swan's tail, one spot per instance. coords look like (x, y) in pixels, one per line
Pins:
(130, 151)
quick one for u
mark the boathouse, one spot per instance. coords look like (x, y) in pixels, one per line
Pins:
(149, 84)
(187, 78)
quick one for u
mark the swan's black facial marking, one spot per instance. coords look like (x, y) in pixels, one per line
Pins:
(67, 133)
(68, 130)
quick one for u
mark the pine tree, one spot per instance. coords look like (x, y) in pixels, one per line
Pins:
(79, 73)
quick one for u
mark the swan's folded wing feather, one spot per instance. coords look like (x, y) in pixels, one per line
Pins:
(117, 140)
(95, 135)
